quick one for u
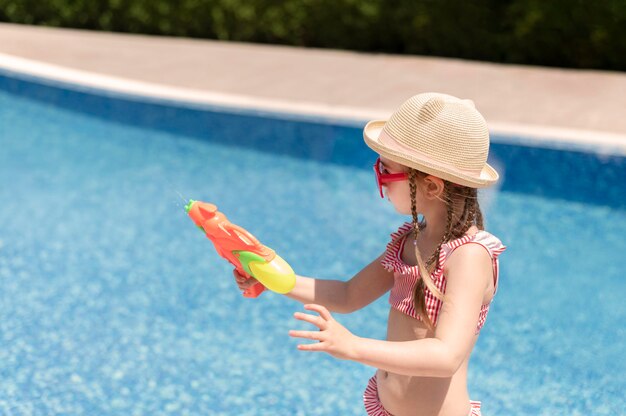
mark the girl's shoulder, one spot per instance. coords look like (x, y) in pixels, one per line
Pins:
(473, 258)
(490, 242)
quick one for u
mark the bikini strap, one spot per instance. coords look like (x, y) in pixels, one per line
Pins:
(491, 243)
(394, 246)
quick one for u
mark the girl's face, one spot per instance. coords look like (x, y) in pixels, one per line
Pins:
(398, 193)
(428, 189)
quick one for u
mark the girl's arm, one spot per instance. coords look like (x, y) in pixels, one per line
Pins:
(469, 275)
(338, 296)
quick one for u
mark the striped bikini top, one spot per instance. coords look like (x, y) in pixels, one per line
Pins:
(406, 276)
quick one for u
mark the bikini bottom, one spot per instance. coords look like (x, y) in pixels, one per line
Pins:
(374, 407)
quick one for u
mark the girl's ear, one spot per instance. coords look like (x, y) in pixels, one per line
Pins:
(433, 187)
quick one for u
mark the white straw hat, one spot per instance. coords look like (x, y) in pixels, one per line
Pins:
(436, 134)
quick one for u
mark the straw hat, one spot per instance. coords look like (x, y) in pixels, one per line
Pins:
(436, 134)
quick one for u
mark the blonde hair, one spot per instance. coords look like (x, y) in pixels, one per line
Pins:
(471, 215)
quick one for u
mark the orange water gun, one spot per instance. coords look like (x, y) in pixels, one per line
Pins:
(243, 250)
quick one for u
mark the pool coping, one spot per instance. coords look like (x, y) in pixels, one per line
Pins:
(503, 132)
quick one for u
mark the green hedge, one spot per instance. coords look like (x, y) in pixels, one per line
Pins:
(568, 33)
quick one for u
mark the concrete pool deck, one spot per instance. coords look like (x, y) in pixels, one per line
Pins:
(576, 106)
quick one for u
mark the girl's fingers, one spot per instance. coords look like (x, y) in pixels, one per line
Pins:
(314, 335)
(242, 281)
(320, 321)
(246, 282)
(320, 346)
(324, 313)
(312, 319)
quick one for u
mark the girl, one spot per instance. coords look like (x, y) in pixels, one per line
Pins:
(441, 268)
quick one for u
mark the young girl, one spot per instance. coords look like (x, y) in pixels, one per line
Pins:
(441, 268)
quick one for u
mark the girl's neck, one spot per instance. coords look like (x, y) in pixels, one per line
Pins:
(435, 223)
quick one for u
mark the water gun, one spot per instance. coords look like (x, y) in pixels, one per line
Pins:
(243, 250)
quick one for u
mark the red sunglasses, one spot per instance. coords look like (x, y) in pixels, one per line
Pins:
(384, 178)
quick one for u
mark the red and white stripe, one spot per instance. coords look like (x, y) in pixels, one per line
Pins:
(374, 407)
(475, 408)
(406, 276)
(372, 403)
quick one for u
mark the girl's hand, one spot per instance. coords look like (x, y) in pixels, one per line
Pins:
(333, 337)
(243, 283)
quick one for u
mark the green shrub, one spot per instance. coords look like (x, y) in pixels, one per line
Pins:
(569, 33)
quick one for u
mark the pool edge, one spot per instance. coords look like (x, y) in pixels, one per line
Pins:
(502, 132)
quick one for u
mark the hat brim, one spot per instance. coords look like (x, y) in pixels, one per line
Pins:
(371, 134)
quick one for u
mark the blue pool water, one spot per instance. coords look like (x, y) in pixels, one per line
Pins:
(113, 303)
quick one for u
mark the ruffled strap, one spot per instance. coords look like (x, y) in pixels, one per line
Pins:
(390, 260)
(491, 243)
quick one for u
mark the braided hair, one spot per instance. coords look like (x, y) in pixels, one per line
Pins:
(455, 228)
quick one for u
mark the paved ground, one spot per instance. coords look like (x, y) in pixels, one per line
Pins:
(515, 98)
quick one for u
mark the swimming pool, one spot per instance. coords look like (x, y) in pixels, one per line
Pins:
(113, 303)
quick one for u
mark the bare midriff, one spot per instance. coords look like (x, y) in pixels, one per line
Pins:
(420, 396)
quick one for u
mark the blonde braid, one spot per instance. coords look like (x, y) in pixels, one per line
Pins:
(448, 233)
(478, 215)
(471, 215)
(425, 282)
(463, 226)
(473, 207)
